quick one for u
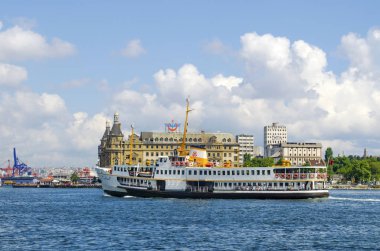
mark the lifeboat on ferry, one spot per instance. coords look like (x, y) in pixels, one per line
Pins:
(295, 176)
(303, 176)
(311, 176)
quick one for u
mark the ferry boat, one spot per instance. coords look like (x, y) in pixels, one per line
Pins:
(190, 175)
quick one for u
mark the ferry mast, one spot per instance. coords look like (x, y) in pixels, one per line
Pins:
(182, 148)
(130, 146)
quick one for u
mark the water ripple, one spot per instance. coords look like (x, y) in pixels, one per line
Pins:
(85, 219)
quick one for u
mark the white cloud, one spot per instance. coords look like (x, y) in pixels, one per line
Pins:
(1, 24)
(228, 82)
(285, 81)
(133, 49)
(17, 44)
(12, 75)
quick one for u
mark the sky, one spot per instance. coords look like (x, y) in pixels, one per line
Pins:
(67, 66)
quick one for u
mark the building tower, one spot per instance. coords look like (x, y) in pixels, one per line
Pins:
(103, 144)
(111, 149)
(274, 135)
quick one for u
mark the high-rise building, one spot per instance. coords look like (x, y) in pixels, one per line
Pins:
(274, 135)
(246, 146)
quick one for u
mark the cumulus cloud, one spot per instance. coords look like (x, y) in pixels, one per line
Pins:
(45, 132)
(17, 44)
(12, 75)
(285, 81)
(133, 49)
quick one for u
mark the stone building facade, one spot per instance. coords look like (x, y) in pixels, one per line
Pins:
(114, 149)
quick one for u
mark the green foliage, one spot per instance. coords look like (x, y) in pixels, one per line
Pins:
(258, 162)
(356, 169)
(328, 154)
(74, 177)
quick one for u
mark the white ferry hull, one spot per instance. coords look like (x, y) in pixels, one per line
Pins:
(140, 192)
(110, 183)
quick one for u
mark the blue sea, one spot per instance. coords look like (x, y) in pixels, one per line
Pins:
(86, 219)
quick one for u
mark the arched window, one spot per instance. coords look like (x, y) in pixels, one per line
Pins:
(224, 140)
(161, 139)
(171, 139)
(190, 140)
(199, 140)
(156, 139)
(166, 139)
(228, 140)
(195, 140)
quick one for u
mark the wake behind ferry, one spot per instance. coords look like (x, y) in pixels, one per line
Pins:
(188, 174)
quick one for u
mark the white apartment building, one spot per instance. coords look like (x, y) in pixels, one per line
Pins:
(274, 135)
(246, 146)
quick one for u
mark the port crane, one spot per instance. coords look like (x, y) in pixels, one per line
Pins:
(18, 166)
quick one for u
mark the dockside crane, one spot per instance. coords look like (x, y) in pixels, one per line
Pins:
(19, 167)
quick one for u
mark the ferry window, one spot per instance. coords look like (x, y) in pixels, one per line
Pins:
(157, 171)
(254, 184)
(200, 172)
(189, 172)
(205, 172)
(216, 184)
(242, 172)
(166, 171)
(233, 172)
(218, 172)
(275, 184)
(224, 172)
(214, 172)
(228, 172)
(247, 172)
(170, 172)
(263, 172)
(252, 172)
(286, 184)
(183, 172)
(281, 184)
(195, 172)
(268, 172)
(258, 172)
(239, 184)
(237, 172)
(230, 184)
(209, 172)
(178, 172)
(243, 184)
(161, 171)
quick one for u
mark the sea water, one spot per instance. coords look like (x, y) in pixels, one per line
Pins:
(86, 219)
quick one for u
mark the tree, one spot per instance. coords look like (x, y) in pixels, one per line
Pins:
(247, 159)
(74, 177)
(328, 155)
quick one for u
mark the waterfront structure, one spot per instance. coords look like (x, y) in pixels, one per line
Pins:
(222, 148)
(274, 135)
